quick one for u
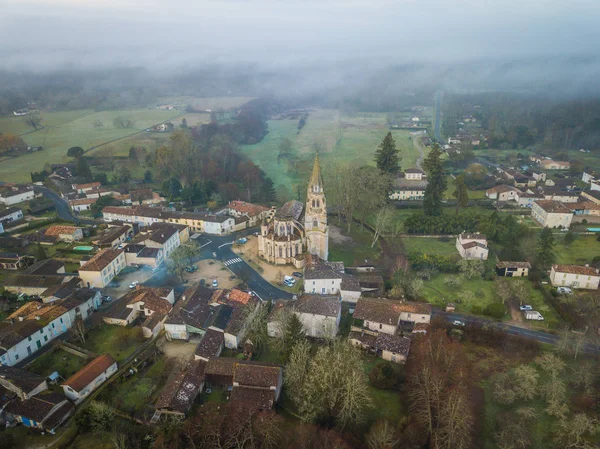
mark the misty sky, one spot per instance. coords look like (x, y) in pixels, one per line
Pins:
(53, 33)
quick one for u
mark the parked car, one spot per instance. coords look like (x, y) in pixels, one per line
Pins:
(297, 274)
(202, 282)
(525, 307)
(242, 241)
(215, 284)
(134, 284)
(191, 268)
(564, 290)
(288, 283)
(106, 299)
(458, 323)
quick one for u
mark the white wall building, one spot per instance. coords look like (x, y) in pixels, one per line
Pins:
(552, 214)
(87, 379)
(320, 315)
(575, 276)
(472, 246)
(101, 269)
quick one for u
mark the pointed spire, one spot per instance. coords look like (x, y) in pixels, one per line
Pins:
(316, 178)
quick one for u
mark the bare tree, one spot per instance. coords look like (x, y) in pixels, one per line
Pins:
(381, 436)
(383, 220)
(33, 119)
(78, 330)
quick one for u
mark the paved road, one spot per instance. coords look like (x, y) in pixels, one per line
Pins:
(540, 336)
(221, 246)
(62, 206)
(438, 116)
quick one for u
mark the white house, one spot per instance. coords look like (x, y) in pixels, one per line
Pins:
(320, 315)
(10, 214)
(502, 193)
(143, 255)
(36, 324)
(414, 174)
(152, 304)
(218, 224)
(84, 188)
(552, 214)
(91, 376)
(82, 204)
(575, 276)
(526, 199)
(472, 246)
(16, 194)
(165, 238)
(329, 278)
(101, 269)
(379, 315)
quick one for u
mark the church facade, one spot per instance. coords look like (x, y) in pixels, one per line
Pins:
(297, 229)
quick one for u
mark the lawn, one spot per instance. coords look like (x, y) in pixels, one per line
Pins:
(359, 248)
(141, 389)
(444, 247)
(342, 139)
(117, 341)
(387, 404)
(580, 252)
(56, 359)
(73, 128)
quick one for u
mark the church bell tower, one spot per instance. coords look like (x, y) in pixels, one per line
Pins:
(315, 217)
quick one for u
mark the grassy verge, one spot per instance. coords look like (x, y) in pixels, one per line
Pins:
(56, 359)
(580, 252)
(118, 341)
(359, 248)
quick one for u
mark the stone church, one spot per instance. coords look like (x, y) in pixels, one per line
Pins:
(297, 229)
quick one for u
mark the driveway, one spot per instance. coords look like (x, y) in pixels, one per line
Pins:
(141, 275)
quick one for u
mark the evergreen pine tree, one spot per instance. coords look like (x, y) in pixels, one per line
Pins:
(436, 182)
(386, 156)
(460, 192)
(545, 248)
(82, 170)
(40, 253)
(293, 332)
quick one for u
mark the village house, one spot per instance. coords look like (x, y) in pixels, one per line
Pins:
(384, 316)
(539, 176)
(231, 316)
(152, 304)
(140, 255)
(84, 188)
(585, 210)
(219, 224)
(35, 324)
(560, 195)
(526, 199)
(472, 246)
(11, 214)
(46, 267)
(409, 185)
(255, 213)
(45, 411)
(329, 278)
(179, 393)
(102, 268)
(502, 193)
(513, 269)
(191, 314)
(91, 376)
(23, 383)
(82, 204)
(253, 385)
(165, 238)
(551, 214)
(591, 195)
(320, 315)
(114, 236)
(15, 194)
(588, 177)
(62, 233)
(14, 261)
(575, 276)
(211, 345)
(35, 284)
(549, 164)
(393, 348)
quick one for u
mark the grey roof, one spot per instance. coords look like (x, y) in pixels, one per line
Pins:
(325, 305)
(210, 344)
(291, 209)
(393, 343)
(48, 266)
(23, 380)
(149, 252)
(164, 234)
(350, 283)
(194, 310)
(9, 211)
(409, 184)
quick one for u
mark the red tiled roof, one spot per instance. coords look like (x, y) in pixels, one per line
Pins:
(59, 230)
(576, 269)
(247, 208)
(101, 260)
(89, 372)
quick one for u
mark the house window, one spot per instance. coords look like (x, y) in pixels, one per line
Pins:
(16, 356)
(29, 338)
(45, 338)
(380, 326)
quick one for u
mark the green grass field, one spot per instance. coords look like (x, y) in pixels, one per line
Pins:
(74, 128)
(56, 359)
(342, 139)
(445, 247)
(580, 252)
(117, 341)
(349, 251)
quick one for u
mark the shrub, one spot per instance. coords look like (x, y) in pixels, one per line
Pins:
(384, 377)
(476, 310)
(495, 310)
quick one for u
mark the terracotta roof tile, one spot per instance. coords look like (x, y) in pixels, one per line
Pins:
(101, 260)
(576, 269)
(89, 372)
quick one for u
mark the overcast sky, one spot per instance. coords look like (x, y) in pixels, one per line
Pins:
(53, 33)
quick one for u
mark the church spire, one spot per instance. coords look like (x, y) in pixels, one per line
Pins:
(316, 181)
